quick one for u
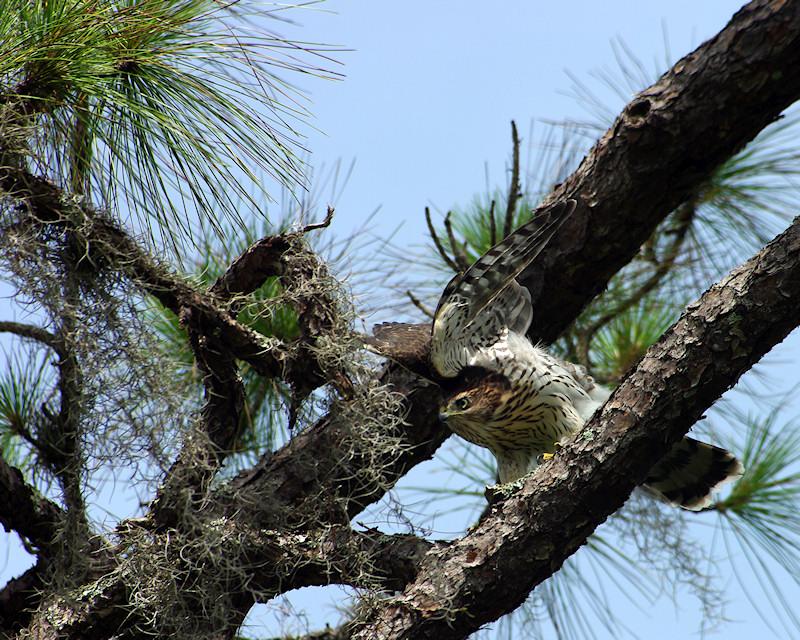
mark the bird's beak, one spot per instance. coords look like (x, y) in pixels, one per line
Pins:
(443, 416)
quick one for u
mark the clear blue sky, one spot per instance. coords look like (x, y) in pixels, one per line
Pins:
(424, 109)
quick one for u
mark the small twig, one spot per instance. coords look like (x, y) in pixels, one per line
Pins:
(459, 253)
(419, 304)
(319, 225)
(684, 216)
(438, 244)
(492, 225)
(514, 189)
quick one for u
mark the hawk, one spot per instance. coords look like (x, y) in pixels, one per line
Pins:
(504, 393)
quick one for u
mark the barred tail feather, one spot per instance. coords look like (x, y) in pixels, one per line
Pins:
(688, 475)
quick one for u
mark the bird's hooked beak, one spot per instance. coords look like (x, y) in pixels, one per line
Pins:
(443, 415)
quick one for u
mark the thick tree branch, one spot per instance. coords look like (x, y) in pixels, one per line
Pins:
(33, 332)
(335, 555)
(107, 245)
(715, 100)
(24, 510)
(526, 538)
(666, 142)
(277, 561)
(19, 599)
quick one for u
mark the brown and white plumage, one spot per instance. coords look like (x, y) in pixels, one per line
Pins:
(516, 399)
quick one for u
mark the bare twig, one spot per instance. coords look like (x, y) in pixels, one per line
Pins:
(438, 244)
(684, 216)
(319, 225)
(492, 225)
(458, 249)
(419, 304)
(514, 189)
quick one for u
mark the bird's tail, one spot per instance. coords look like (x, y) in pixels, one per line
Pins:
(689, 473)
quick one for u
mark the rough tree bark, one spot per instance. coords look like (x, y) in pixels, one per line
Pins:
(662, 147)
(527, 537)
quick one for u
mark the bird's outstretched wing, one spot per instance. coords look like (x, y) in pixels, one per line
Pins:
(478, 307)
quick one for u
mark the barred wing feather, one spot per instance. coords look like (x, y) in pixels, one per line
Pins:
(479, 307)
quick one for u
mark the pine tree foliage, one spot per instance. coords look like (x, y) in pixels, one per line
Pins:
(162, 109)
(741, 206)
(120, 117)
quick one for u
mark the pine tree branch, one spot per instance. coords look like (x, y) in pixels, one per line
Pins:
(32, 332)
(24, 510)
(668, 140)
(19, 599)
(617, 201)
(438, 243)
(459, 255)
(429, 313)
(492, 225)
(684, 216)
(60, 452)
(107, 245)
(526, 538)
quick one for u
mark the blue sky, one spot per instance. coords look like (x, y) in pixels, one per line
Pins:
(424, 111)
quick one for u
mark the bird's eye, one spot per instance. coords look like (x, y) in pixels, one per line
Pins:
(462, 404)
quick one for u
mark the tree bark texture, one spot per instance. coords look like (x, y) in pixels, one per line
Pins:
(527, 537)
(661, 149)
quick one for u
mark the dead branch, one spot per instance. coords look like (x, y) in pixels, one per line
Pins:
(319, 225)
(514, 188)
(419, 304)
(459, 254)
(438, 243)
(492, 225)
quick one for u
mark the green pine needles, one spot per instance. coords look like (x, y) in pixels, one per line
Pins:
(156, 107)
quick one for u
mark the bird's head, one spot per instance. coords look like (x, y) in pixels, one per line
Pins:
(473, 397)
